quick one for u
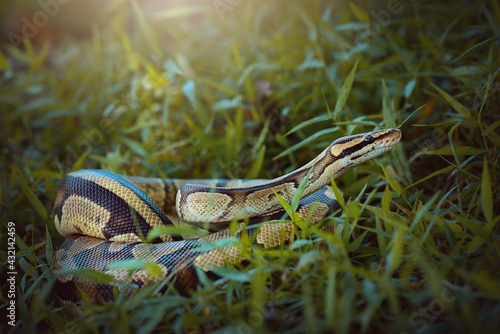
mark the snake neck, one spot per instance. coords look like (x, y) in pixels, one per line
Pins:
(229, 203)
(343, 155)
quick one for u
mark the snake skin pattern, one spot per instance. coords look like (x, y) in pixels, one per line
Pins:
(107, 217)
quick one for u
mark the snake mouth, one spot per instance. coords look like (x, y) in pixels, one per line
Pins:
(386, 142)
(391, 138)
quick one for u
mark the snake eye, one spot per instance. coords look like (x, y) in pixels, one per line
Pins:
(369, 139)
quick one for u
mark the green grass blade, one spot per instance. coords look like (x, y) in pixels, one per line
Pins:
(256, 166)
(476, 47)
(344, 91)
(311, 121)
(458, 150)
(453, 102)
(387, 107)
(395, 185)
(33, 199)
(434, 174)
(486, 193)
(306, 141)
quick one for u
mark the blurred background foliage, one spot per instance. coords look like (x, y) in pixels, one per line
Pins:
(255, 89)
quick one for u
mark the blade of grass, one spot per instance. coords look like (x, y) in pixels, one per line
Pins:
(387, 107)
(345, 90)
(486, 193)
(454, 103)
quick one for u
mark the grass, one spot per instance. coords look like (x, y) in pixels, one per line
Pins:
(256, 90)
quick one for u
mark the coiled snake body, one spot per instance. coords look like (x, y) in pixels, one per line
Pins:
(106, 218)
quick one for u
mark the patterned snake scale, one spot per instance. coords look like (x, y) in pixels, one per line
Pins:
(106, 218)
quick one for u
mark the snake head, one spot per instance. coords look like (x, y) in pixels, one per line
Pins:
(356, 149)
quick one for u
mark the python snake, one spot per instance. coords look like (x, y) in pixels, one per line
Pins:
(106, 217)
